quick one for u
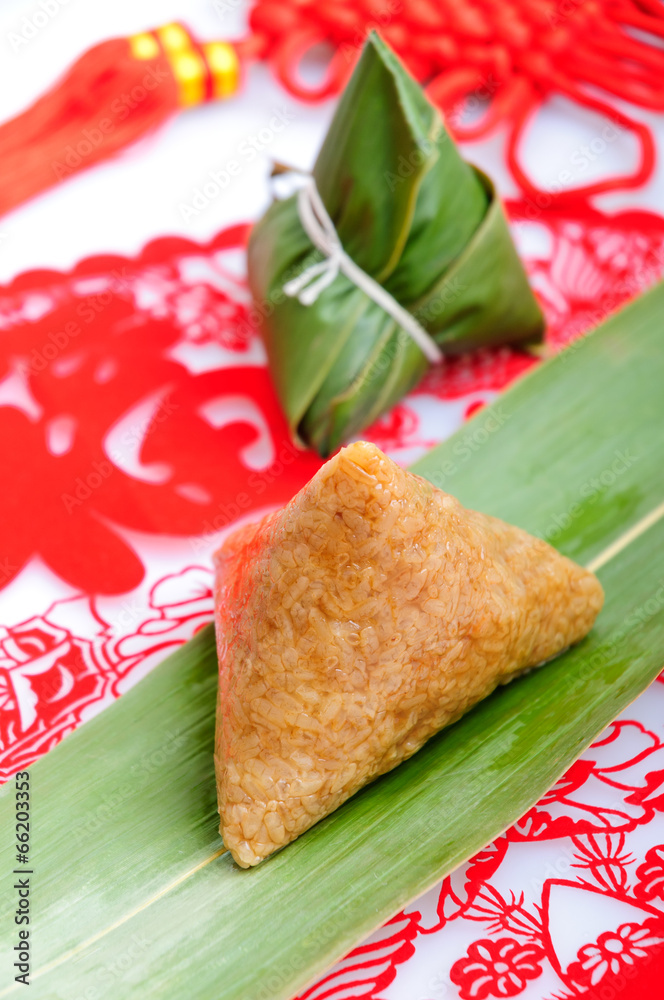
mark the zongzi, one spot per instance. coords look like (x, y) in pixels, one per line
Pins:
(419, 221)
(355, 623)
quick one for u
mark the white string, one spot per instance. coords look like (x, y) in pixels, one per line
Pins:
(308, 285)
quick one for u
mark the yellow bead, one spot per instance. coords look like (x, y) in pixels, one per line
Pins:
(144, 46)
(189, 71)
(223, 64)
(174, 38)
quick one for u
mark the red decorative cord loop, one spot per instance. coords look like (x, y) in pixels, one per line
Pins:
(512, 55)
(289, 57)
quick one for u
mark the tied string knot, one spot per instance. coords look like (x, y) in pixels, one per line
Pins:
(308, 285)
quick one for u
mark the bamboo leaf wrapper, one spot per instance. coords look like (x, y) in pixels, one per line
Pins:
(417, 219)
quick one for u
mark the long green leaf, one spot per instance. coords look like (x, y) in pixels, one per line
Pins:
(132, 896)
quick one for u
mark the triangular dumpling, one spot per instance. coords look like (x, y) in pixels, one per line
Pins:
(358, 621)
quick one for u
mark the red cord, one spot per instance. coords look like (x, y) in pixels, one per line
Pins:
(513, 54)
(287, 61)
(543, 198)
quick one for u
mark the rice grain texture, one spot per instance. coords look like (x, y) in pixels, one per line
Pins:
(352, 625)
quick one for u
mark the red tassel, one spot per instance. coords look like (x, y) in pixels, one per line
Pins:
(115, 94)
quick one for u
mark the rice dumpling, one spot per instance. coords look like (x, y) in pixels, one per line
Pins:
(355, 623)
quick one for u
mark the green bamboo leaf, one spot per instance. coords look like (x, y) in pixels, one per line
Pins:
(381, 108)
(417, 218)
(381, 170)
(132, 894)
(474, 301)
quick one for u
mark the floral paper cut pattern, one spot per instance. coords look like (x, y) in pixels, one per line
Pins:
(135, 443)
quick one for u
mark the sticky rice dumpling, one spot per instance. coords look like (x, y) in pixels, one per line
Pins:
(354, 624)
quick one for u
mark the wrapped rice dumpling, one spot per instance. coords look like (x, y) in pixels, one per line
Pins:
(358, 621)
(420, 222)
